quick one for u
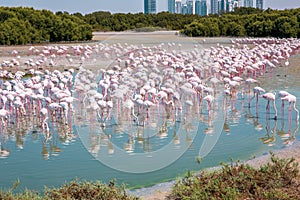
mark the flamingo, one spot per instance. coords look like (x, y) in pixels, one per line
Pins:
(282, 94)
(250, 81)
(44, 114)
(4, 115)
(292, 100)
(270, 97)
(209, 99)
(19, 106)
(256, 90)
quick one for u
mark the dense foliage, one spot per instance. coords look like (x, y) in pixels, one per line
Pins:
(25, 25)
(105, 21)
(248, 22)
(276, 180)
(20, 25)
(73, 190)
(242, 22)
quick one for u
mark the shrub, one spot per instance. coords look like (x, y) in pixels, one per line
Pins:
(275, 180)
(73, 190)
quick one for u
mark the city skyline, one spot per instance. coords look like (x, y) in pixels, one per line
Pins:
(213, 6)
(171, 6)
(117, 6)
(150, 6)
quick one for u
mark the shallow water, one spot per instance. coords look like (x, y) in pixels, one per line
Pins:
(76, 150)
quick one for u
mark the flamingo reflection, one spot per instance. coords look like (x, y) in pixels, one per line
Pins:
(4, 153)
(270, 138)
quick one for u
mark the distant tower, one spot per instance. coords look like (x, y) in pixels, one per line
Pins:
(184, 9)
(190, 6)
(222, 6)
(240, 3)
(248, 3)
(214, 6)
(171, 6)
(178, 7)
(236, 4)
(229, 5)
(197, 7)
(201, 7)
(260, 4)
(150, 6)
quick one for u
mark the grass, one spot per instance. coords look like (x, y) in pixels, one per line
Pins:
(279, 179)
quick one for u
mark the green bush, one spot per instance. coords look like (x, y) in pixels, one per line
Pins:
(73, 190)
(275, 180)
(20, 25)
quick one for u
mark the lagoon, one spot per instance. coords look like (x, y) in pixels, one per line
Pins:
(96, 153)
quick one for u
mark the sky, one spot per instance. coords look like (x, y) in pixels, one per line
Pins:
(117, 6)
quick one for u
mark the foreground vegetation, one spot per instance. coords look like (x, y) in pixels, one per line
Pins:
(20, 25)
(276, 180)
(73, 190)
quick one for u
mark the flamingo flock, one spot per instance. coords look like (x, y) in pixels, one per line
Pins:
(144, 83)
(150, 77)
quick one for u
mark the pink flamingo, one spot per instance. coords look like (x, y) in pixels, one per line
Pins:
(209, 99)
(292, 100)
(256, 90)
(282, 94)
(250, 81)
(4, 114)
(44, 114)
(270, 97)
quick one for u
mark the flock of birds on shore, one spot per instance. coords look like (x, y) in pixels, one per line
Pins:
(142, 83)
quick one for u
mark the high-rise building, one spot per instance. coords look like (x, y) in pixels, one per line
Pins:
(178, 7)
(260, 4)
(197, 7)
(248, 3)
(149, 6)
(236, 4)
(171, 6)
(184, 9)
(214, 6)
(190, 6)
(229, 5)
(201, 7)
(222, 6)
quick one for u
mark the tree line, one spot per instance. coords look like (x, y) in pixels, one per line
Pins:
(20, 25)
(23, 25)
(248, 22)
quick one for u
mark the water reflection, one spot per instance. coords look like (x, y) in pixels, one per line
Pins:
(4, 152)
(254, 119)
(28, 127)
(134, 128)
(270, 137)
(288, 136)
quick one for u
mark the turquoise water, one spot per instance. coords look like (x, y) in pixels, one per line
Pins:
(37, 162)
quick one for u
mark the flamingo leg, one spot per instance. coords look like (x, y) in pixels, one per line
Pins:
(290, 113)
(268, 106)
(297, 112)
(282, 108)
(274, 105)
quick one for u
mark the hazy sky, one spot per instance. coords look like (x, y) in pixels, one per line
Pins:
(114, 6)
